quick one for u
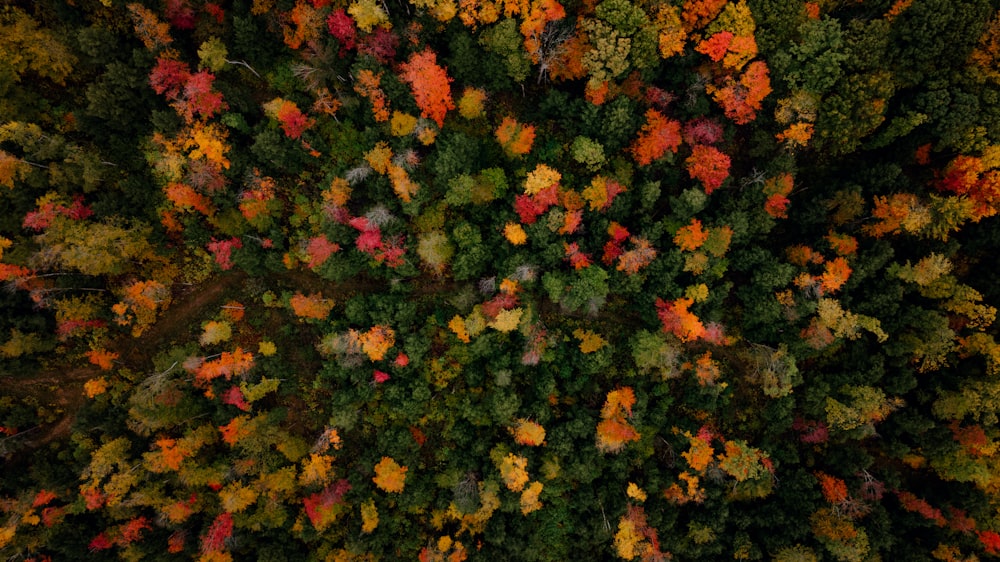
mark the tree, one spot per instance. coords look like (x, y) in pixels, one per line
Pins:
(698, 13)
(96, 248)
(601, 193)
(215, 332)
(839, 535)
(743, 462)
(513, 471)
(504, 41)
(529, 498)
(322, 507)
(575, 257)
(691, 237)
(588, 152)
(209, 143)
(541, 179)
(368, 14)
(635, 538)
(184, 197)
(471, 104)
(95, 387)
(12, 169)
(971, 177)
(709, 166)
(835, 275)
(614, 431)
(198, 98)
(369, 516)
(911, 502)
(102, 358)
(514, 137)
(672, 32)
(900, 212)
(741, 99)
(140, 302)
(222, 251)
(430, 83)
(293, 121)
(377, 341)
(515, 234)
(389, 475)
(527, 432)
(218, 532)
(435, 250)
(589, 341)
(506, 320)
(153, 33)
(26, 47)
(306, 22)
(368, 84)
(777, 190)
(313, 306)
(342, 27)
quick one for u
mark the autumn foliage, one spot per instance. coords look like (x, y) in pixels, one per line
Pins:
(741, 98)
(708, 165)
(293, 121)
(216, 342)
(658, 136)
(389, 475)
(614, 431)
(228, 365)
(514, 137)
(678, 320)
(527, 432)
(313, 306)
(430, 84)
(691, 237)
(976, 179)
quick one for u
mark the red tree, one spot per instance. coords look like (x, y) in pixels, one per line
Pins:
(220, 530)
(430, 84)
(741, 99)
(381, 45)
(199, 98)
(222, 251)
(708, 165)
(169, 76)
(990, 541)
(342, 27)
(179, 13)
(657, 136)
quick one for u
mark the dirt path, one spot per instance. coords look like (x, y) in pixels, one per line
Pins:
(63, 389)
(176, 319)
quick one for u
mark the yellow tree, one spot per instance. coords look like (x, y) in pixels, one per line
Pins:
(614, 431)
(389, 475)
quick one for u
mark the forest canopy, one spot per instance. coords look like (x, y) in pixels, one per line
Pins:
(359, 280)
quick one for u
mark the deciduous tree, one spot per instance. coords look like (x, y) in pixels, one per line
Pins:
(708, 165)
(313, 306)
(430, 83)
(658, 136)
(389, 475)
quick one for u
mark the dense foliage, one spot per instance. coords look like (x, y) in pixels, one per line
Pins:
(499, 279)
